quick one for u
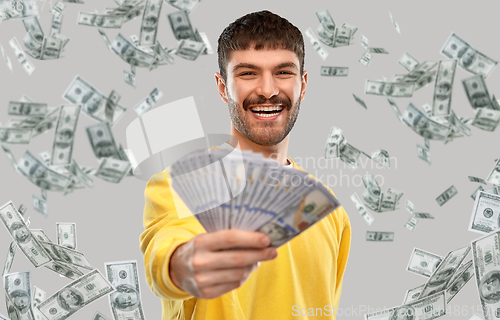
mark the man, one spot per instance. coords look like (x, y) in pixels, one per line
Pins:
(262, 79)
(70, 299)
(125, 298)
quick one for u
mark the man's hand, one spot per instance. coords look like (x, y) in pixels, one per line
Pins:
(200, 268)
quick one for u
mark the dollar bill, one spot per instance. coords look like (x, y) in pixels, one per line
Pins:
(129, 78)
(45, 124)
(334, 71)
(112, 170)
(422, 215)
(455, 121)
(75, 296)
(468, 57)
(424, 153)
(58, 9)
(10, 258)
(15, 135)
(446, 195)
(397, 77)
(189, 49)
(315, 43)
(65, 255)
(21, 209)
(18, 289)
(390, 89)
(382, 156)
(362, 209)
(17, 228)
(419, 71)
(163, 53)
(359, 100)
(181, 25)
(19, 108)
(104, 37)
(464, 273)
(66, 235)
(379, 236)
(365, 59)
(486, 119)
(32, 25)
(395, 24)
(441, 277)
(441, 103)
(485, 216)
(99, 316)
(413, 294)
(343, 35)
(494, 176)
(149, 25)
(411, 224)
(51, 48)
(410, 206)
(425, 308)
(364, 41)
(101, 139)
(38, 296)
(99, 20)
(187, 5)
(485, 251)
(395, 108)
(147, 103)
(423, 125)
(39, 174)
(126, 300)
(428, 77)
(40, 205)
(408, 61)
(131, 54)
(377, 50)
(477, 92)
(111, 104)
(423, 262)
(476, 179)
(76, 171)
(93, 102)
(326, 20)
(6, 59)
(62, 149)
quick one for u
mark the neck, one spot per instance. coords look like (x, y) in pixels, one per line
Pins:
(277, 152)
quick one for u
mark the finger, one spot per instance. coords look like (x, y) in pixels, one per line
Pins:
(218, 290)
(231, 259)
(221, 276)
(225, 239)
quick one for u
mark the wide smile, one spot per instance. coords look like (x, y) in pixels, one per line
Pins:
(267, 112)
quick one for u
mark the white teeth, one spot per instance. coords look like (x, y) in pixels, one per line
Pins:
(266, 115)
(272, 108)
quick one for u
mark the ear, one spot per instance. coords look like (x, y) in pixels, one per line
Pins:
(304, 85)
(221, 86)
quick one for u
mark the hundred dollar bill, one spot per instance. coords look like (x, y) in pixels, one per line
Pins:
(62, 149)
(126, 300)
(395, 108)
(382, 156)
(396, 26)
(494, 176)
(424, 153)
(423, 263)
(486, 119)
(460, 278)
(181, 25)
(409, 206)
(476, 179)
(189, 49)
(15, 135)
(51, 48)
(38, 296)
(468, 58)
(55, 28)
(379, 236)
(334, 71)
(75, 296)
(204, 39)
(18, 289)
(149, 25)
(112, 170)
(390, 89)
(411, 224)
(19, 108)
(441, 277)
(362, 209)
(101, 139)
(423, 125)
(422, 215)
(455, 121)
(397, 77)
(343, 35)
(187, 5)
(441, 104)
(40, 175)
(6, 58)
(365, 59)
(40, 235)
(315, 43)
(40, 205)
(131, 54)
(413, 294)
(111, 104)
(66, 235)
(66, 255)
(10, 258)
(21, 209)
(485, 253)
(64, 269)
(377, 50)
(419, 71)
(76, 171)
(93, 102)
(428, 77)
(99, 316)
(359, 100)
(485, 216)
(446, 195)
(99, 20)
(129, 78)
(426, 308)
(147, 103)
(364, 42)
(46, 123)
(58, 9)
(408, 61)
(17, 228)
(326, 20)
(477, 92)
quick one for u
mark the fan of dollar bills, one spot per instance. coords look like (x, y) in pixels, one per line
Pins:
(234, 189)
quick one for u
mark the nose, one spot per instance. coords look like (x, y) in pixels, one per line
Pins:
(267, 86)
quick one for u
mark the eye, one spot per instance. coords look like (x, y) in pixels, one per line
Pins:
(246, 73)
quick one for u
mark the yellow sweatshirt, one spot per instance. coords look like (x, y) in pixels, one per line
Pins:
(303, 282)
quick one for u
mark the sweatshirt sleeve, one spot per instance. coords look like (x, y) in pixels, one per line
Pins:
(344, 248)
(163, 233)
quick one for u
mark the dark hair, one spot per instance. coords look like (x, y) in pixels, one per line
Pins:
(264, 29)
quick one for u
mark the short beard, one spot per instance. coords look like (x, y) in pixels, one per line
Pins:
(267, 138)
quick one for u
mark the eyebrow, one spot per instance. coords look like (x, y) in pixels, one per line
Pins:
(251, 66)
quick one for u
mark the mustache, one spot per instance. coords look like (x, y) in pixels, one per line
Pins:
(285, 101)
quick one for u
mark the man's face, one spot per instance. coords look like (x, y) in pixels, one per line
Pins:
(22, 234)
(21, 302)
(126, 299)
(492, 285)
(70, 298)
(263, 78)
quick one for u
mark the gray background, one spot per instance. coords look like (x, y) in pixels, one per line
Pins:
(109, 216)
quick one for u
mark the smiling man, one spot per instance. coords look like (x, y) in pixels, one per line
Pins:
(262, 80)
